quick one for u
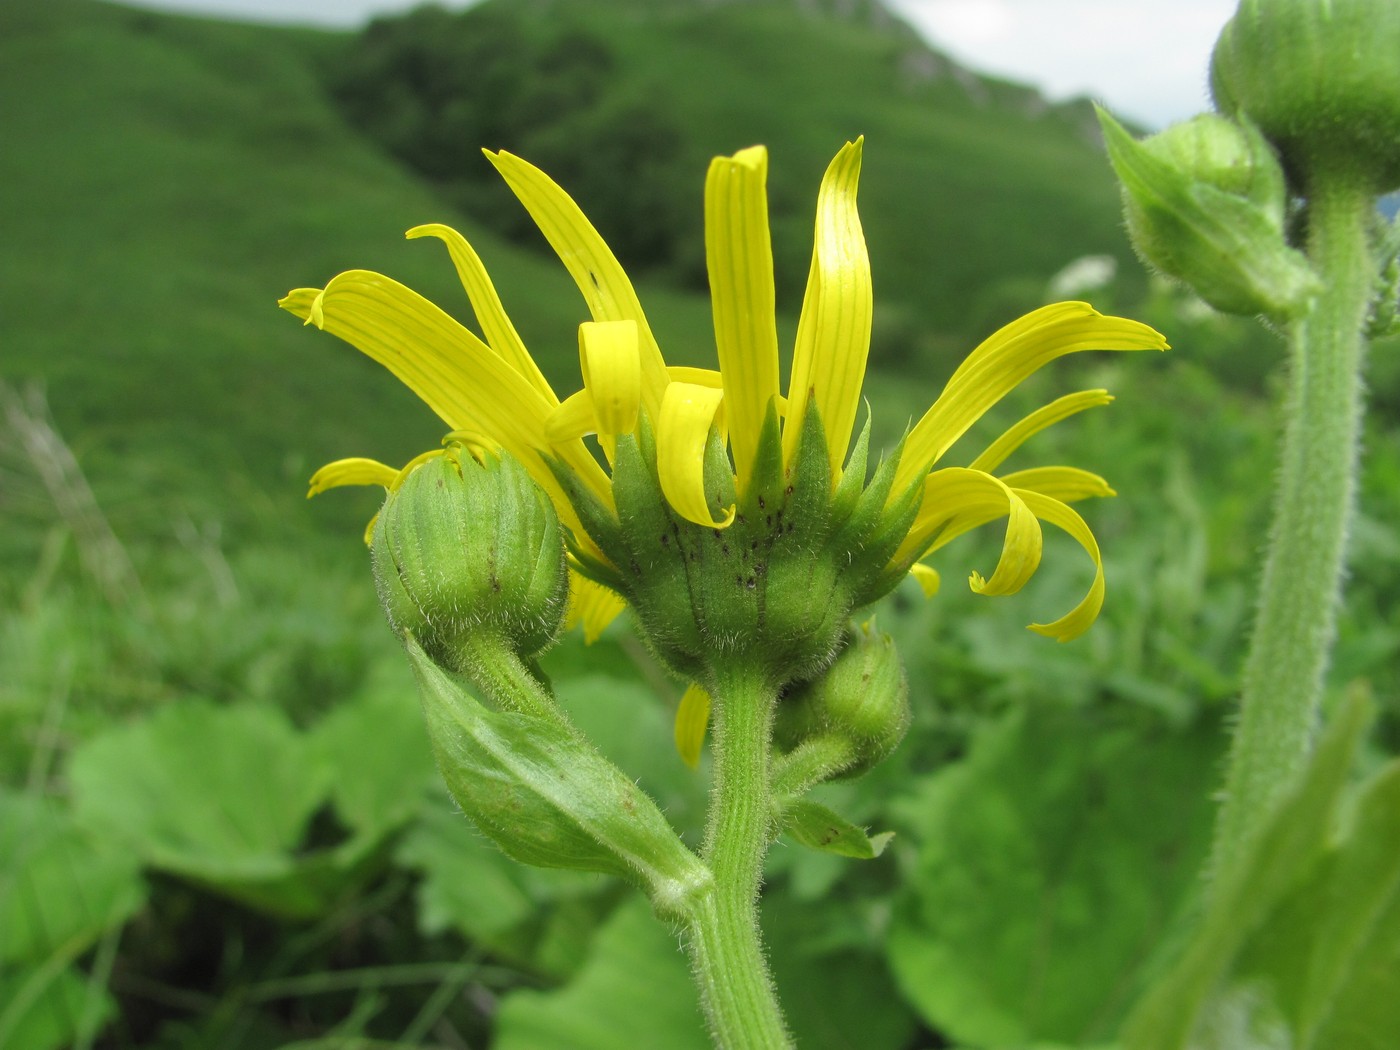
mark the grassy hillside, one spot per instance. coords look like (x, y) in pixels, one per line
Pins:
(166, 181)
(167, 178)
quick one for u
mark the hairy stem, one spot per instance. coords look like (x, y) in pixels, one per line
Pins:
(1301, 585)
(726, 949)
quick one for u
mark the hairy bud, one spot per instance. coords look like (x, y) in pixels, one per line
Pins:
(470, 546)
(1321, 80)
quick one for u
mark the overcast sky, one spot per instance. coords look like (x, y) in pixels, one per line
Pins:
(1146, 58)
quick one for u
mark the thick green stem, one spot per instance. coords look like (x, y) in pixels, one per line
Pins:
(816, 759)
(1301, 585)
(725, 946)
(497, 670)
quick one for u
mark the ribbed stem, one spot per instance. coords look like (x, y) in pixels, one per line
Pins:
(1301, 585)
(725, 945)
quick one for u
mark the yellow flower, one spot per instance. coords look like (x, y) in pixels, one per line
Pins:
(493, 389)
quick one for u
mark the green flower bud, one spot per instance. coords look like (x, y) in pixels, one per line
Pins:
(1321, 79)
(862, 698)
(464, 547)
(1205, 203)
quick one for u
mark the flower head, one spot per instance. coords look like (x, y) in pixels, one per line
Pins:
(734, 516)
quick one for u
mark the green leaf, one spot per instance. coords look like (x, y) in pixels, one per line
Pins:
(634, 991)
(1331, 951)
(545, 795)
(218, 795)
(1288, 848)
(42, 1008)
(831, 977)
(379, 761)
(60, 888)
(816, 827)
(1051, 860)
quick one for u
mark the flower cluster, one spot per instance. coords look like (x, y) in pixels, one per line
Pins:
(697, 465)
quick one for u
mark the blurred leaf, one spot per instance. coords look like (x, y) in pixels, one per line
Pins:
(220, 795)
(376, 749)
(469, 885)
(540, 918)
(42, 1008)
(1051, 860)
(635, 991)
(60, 888)
(1332, 948)
(816, 827)
(832, 980)
(1288, 848)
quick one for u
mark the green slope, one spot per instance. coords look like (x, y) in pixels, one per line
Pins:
(967, 181)
(166, 179)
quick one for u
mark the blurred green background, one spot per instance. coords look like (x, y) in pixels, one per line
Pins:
(219, 823)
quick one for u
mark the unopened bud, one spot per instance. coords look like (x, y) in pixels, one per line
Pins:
(862, 698)
(1205, 203)
(1321, 80)
(464, 546)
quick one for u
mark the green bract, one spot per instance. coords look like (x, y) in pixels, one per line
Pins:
(774, 589)
(533, 785)
(466, 546)
(1205, 204)
(1321, 79)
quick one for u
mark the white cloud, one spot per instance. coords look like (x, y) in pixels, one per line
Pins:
(1146, 59)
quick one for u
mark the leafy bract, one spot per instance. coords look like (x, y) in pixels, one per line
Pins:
(817, 827)
(1051, 860)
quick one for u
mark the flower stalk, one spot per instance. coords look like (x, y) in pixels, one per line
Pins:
(725, 946)
(1305, 563)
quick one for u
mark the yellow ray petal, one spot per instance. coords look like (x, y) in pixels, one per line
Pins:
(1066, 484)
(572, 419)
(699, 376)
(1016, 436)
(687, 413)
(457, 376)
(496, 325)
(692, 719)
(932, 530)
(592, 605)
(927, 577)
(833, 333)
(1001, 362)
(957, 499)
(739, 257)
(1081, 617)
(353, 471)
(589, 260)
(607, 352)
(704, 377)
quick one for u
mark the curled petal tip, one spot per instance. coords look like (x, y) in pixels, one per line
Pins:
(317, 314)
